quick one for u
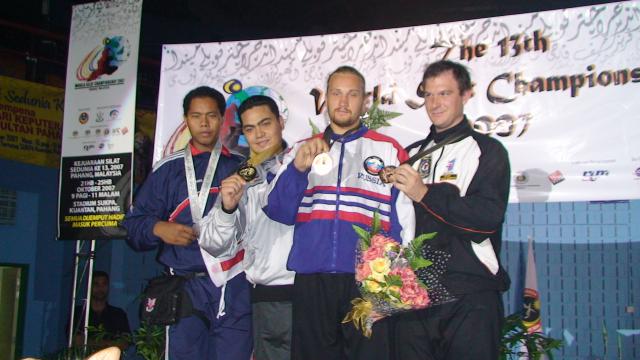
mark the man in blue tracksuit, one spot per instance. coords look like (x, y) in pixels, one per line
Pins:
(162, 217)
(327, 184)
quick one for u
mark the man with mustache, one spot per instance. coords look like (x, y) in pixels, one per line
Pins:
(327, 184)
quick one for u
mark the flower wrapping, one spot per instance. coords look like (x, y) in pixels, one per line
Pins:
(393, 278)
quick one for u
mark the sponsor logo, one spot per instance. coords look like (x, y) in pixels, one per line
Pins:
(594, 175)
(113, 114)
(449, 175)
(89, 147)
(522, 178)
(637, 172)
(74, 133)
(124, 130)
(373, 165)
(87, 132)
(450, 165)
(556, 177)
(83, 118)
(106, 132)
(100, 116)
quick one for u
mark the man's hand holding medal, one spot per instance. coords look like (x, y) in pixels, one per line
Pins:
(314, 153)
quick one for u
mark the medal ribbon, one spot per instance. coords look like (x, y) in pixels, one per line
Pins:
(257, 158)
(428, 151)
(198, 200)
(328, 133)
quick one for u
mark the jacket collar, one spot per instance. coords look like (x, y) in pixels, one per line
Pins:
(462, 128)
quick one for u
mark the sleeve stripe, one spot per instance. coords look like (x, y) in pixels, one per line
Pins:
(184, 204)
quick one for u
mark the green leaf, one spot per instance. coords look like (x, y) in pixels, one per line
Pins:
(418, 262)
(417, 243)
(376, 224)
(514, 335)
(393, 280)
(378, 118)
(314, 128)
(365, 237)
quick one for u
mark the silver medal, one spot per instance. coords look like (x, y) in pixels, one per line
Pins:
(322, 164)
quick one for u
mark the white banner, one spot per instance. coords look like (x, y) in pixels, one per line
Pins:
(99, 112)
(559, 89)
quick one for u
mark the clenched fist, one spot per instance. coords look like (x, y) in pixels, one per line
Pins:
(231, 190)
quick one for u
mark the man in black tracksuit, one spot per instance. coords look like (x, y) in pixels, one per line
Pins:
(461, 192)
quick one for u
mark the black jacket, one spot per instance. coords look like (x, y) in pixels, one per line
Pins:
(468, 191)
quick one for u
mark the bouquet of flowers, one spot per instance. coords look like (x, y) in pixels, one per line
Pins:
(386, 276)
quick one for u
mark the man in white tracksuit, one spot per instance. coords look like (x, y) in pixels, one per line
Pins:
(238, 222)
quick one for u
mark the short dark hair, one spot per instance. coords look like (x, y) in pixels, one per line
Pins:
(100, 273)
(460, 73)
(258, 100)
(204, 91)
(349, 70)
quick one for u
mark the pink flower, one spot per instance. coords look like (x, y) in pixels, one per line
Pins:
(406, 274)
(414, 294)
(363, 271)
(372, 253)
(379, 241)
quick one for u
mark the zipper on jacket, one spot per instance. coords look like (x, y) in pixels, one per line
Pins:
(435, 166)
(335, 219)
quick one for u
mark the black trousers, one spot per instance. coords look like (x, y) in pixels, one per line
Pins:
(320, 302)
(467, 328)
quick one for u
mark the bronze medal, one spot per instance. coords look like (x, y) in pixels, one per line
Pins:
(386, 173)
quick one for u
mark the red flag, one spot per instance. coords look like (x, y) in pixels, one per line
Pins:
(531, 311)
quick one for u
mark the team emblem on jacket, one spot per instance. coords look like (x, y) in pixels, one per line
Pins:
(424, 167)
(449, 175)
(373, 165)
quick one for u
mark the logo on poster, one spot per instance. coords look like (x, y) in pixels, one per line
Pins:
(113, 115)
(104, 59)
(521, 178)
(593, 175)
(83, 118)
(556, 177)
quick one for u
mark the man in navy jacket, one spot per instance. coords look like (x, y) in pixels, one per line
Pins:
(161, 217)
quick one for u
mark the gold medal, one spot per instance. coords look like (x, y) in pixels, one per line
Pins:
(322, 164)
(248, 172)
